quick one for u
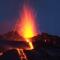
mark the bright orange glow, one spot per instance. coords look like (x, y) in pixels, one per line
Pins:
(26, 25)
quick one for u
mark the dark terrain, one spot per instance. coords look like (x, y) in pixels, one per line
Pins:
(47, 47)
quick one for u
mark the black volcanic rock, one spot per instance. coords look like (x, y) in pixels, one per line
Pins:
(12, 36)
(46, 47)
(10, 55)
(12, 40)
(1, 36)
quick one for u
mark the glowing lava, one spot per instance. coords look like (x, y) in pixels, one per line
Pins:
(26, 25)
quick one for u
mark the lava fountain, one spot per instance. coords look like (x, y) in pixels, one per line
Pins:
(26, 26)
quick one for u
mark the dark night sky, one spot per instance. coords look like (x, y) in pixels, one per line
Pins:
(48, 14)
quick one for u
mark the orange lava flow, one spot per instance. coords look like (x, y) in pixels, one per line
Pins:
(26, 26)
(22, 54)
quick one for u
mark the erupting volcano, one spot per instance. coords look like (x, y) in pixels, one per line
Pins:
(26, 38)
(26, 25)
